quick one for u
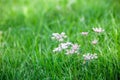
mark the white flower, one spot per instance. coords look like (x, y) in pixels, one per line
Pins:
(62, 46)
(65, 45)
(68, 47)
(74, 49)
(59, 37)
(98, 30)
(58, 49)
(84, 33)
(70, 51)
(90, 56)
(94, 41)
(63, 35)
(75, 46)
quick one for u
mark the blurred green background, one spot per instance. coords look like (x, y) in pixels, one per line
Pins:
(38, 13)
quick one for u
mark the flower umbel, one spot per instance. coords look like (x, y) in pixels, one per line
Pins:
(84, 33)
(90, 56)
(58, 49)
(59, 37)
(98, 30)
(94, 41)
(62, 46)
(74, 49)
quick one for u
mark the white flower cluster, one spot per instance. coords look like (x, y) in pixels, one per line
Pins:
(62, 46)
(98, 30)
(74, 49)
(90, 56)
(59, 37)
(69, 47)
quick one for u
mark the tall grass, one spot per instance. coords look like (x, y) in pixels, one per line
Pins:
(26, 45)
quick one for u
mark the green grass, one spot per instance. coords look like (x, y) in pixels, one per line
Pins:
(26, 45)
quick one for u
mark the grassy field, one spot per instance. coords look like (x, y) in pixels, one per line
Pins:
(26, 47)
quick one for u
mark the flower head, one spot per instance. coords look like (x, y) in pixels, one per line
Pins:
(74, 49)
(59, 37)
(94, 41)
(62, 46)
(84, 33)
(90, 56)
(98, 30)
(65, 45)
(58, 49)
